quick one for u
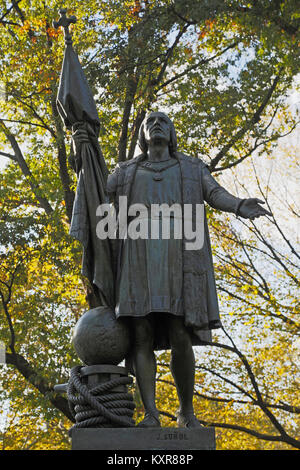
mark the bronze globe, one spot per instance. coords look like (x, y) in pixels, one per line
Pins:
(99, 338)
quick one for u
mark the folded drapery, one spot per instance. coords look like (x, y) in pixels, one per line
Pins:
(77, 108)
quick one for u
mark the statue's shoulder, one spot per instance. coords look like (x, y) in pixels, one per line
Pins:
(129, 163)
(187, 158)
(116, 178)
(121, 166)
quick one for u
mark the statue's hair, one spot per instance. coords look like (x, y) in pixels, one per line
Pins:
(142, 141)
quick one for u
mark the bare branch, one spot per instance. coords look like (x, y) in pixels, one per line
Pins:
(9, 320)
(255, 386)
(254, 120)
(15, 4)
(25, 122)
(8, 155)
(265, 437)
(195, 66)
(131, 88)
(135, 132)
(39, 382)
(274, 254)
(274, 221)
(25, 169)
(182, 18)
(18, 97)
(9, 23)
(169, 55)
(266, 311)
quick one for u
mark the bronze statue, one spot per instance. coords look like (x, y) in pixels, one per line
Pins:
(165, 292)
(159, 284)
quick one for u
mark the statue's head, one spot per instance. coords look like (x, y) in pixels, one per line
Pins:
(157, 127)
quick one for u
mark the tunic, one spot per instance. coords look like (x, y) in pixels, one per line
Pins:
(200, 302)
(150, 279)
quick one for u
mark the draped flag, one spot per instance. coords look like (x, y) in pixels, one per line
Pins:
(77, 108)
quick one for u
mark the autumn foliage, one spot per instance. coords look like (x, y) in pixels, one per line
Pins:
(224, 72)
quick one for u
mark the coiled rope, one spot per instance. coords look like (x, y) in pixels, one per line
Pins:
(98, 406)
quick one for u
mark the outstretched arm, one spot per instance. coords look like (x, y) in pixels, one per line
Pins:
(219, 198)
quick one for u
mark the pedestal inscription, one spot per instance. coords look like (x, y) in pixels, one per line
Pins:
(143, 439)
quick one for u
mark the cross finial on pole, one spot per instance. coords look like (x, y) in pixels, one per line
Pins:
(65, 23)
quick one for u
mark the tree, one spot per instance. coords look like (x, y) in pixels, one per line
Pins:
(221, 69)
(253, 380)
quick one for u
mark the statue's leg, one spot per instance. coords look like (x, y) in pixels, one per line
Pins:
(144, 363)
(183, 370)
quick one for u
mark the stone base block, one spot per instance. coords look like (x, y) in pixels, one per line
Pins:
(143, 439)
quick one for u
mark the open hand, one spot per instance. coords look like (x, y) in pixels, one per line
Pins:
(250, 208)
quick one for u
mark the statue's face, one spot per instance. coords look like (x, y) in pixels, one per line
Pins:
(157, 128)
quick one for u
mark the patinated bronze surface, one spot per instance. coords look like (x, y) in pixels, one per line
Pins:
(166, 293)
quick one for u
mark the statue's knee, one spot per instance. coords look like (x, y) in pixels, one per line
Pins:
(180, 345)
(143, 335)
(180, 339)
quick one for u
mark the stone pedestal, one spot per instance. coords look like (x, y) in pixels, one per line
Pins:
(143, 439)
